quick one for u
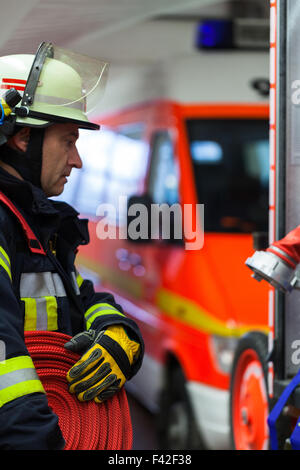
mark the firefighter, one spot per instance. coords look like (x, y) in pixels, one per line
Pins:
(40, 288)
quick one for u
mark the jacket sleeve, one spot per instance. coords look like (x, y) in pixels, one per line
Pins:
(102, 311)
(26, 421)
(100, 308)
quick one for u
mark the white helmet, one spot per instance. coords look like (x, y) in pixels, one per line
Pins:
(56, 86)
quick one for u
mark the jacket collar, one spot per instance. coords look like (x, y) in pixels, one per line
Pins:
(46, 215)
(26, 196)
(30, 198)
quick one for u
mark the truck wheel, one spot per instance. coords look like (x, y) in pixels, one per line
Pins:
(176, 424)
(249, 401)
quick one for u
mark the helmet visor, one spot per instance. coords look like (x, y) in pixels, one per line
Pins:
(85, 78)
(64, 83)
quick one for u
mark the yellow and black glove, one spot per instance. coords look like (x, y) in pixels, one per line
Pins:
(105, 364)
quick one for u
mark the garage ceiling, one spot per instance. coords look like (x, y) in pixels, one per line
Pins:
(118, 30)
(143, 40)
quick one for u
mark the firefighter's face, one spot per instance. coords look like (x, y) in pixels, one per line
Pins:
(60, 156)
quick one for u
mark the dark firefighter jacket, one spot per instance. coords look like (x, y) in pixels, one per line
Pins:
(33, 297)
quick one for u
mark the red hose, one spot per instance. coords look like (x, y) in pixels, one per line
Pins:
(289, 245)
(84, 425)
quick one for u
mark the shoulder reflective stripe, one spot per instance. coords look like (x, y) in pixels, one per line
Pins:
(79, 278)
(41, 285)
(75, 283)
(5, 261)
(18, 377)
(99, 310)
(40, 314)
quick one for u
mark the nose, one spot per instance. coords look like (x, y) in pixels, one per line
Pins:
(74, 159)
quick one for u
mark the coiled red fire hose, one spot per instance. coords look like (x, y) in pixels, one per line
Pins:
(84, 425)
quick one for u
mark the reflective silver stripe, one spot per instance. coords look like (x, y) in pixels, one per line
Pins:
(74, 280)
(41, 285)
(41, 314)
(59, 101)
(17, 376)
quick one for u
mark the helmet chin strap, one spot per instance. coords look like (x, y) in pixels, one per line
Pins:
(28, 164)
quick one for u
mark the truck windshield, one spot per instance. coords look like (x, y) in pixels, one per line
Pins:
(230, 160)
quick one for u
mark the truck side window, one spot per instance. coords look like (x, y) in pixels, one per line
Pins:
(114, 167)
(127, 169)
(163, 181)
(163, 188)
(230, 159)
(85, 188)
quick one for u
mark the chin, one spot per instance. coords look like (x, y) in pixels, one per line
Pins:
(54, 192)
(59, 192)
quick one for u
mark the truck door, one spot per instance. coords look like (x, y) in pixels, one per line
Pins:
(161, 188)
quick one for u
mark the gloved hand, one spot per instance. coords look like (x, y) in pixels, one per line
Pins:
(105, 365)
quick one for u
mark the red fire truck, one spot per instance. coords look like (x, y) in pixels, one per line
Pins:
(199, 310)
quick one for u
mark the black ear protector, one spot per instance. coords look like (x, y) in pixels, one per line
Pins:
(8, 102)
(29, 163)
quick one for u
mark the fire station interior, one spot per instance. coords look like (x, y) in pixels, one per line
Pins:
(196, 113)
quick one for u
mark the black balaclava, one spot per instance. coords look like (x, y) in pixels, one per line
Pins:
(28, 164)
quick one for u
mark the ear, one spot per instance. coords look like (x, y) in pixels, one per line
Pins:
(20, 140)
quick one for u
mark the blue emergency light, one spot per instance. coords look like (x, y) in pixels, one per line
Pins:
(214, 34)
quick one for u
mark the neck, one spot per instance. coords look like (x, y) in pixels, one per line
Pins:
(10, 170)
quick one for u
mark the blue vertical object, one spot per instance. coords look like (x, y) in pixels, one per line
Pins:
(214, 34)
(295, 437)
(2, 114)
(274, 415)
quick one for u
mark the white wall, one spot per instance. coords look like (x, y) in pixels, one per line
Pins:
(173, 68)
